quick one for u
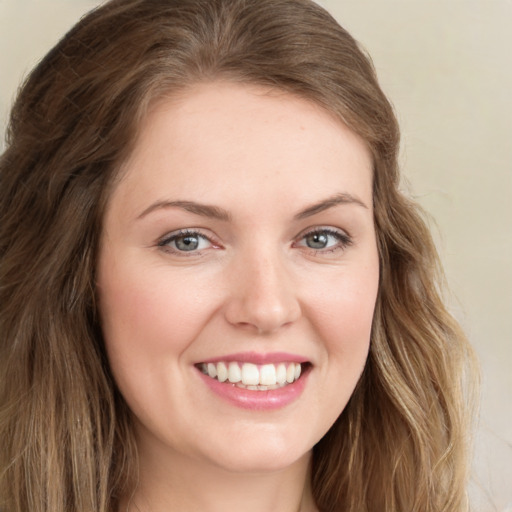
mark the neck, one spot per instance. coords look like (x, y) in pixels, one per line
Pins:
(190, 485)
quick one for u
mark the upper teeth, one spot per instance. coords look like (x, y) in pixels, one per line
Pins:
(250, 374)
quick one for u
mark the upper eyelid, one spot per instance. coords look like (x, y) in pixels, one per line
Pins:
(319, 229)
(171, 235)
(344, 241)
(185, 231)
(161, 241)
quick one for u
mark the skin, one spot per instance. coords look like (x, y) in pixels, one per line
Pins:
(255, 284)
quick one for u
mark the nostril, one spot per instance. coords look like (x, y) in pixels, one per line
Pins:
(263, 318)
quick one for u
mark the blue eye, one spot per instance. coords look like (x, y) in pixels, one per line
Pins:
(184, 241)
(318, 240)
(326, 240)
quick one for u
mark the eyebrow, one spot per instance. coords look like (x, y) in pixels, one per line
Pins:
(204, 210)
(216, 212)
(330, 202)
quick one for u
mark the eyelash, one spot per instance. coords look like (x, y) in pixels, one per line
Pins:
(165, 242)
(343, 241)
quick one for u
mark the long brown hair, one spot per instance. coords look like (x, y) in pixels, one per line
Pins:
(66, 439)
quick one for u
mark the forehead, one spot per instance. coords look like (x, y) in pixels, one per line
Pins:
(245, 139)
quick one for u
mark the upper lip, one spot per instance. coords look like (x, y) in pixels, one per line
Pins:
(259, 358)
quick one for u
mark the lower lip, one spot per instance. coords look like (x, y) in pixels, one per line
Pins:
(257, 400)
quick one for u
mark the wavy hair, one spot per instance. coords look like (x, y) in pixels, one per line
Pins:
(67, 445)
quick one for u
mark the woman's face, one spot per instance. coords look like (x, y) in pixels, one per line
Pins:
(239, 244)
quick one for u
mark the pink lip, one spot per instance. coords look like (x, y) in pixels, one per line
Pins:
(257, 358)
(257, 400)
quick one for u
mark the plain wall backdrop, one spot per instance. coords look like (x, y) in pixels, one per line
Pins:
(447, 68)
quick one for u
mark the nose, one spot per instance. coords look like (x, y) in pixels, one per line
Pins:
(262, 297)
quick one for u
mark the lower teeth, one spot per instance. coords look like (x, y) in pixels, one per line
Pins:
(258, 388)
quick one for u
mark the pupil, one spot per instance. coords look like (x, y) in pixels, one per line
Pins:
(317, 240)
(187, 243)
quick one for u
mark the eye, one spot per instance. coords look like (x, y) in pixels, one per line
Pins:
(185, 241)
(324, 240)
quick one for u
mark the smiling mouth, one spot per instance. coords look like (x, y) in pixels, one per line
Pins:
(252, 376)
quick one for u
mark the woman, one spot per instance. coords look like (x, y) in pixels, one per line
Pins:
(213, 292)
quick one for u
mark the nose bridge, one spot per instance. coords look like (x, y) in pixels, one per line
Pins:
(263, 296)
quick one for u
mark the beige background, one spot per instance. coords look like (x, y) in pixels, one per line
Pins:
(447, 66)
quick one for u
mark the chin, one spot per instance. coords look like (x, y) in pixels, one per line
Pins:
(260, 457)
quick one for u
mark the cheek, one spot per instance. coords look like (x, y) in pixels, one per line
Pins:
(146, 314)
(344, 308)
(343, 317)
(340, 312)
(149, 318)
